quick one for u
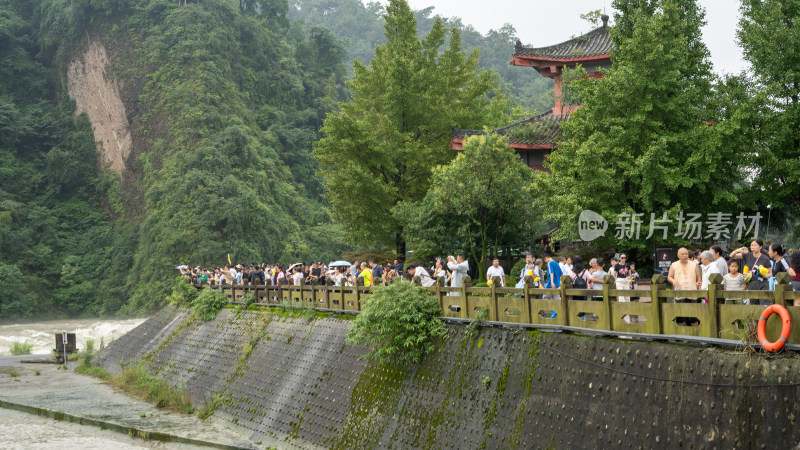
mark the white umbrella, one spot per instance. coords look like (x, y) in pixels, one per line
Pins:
(182, 267)
(340, 264)
(294, 265)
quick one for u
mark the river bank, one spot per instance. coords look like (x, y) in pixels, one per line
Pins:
(92, 406)
(25, 431)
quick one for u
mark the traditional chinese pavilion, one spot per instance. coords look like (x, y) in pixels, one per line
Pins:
(535, 137)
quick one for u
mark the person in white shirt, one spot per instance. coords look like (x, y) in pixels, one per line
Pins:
(338, 277)
(562, 263)
(596, 268)
(716, 256)
(459, 267)
(528, 267)
(596, 280)
(611, 267)
(232, 272)
(425, 279)
(297, 278)
(708, 267)
(496, 271)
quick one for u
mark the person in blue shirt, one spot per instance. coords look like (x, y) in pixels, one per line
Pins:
(553, 275)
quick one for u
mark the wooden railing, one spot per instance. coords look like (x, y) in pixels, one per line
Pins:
(719, 314)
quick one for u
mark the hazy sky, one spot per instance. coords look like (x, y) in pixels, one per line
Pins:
(541, 23)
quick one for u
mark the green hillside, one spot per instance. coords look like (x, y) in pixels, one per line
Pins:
(223, 100)
(205, 113)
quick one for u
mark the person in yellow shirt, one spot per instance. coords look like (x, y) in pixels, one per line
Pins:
(366, 274)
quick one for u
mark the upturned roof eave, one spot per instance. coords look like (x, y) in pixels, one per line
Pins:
(594, 43)
(532, 60)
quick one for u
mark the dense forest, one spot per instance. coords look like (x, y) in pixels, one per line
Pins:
(61, 253)
(360, 27)
(223, 100)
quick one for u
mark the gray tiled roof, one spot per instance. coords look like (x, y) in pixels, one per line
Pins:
(594, 43)
(542, 129)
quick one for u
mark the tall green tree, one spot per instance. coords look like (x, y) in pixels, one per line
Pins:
(360, 26)
(769, 33)
(645, 140)
(481, 201)
(379, 149)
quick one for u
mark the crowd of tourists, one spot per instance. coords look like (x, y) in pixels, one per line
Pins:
(752, 268)
(339, 273)
(747, 268)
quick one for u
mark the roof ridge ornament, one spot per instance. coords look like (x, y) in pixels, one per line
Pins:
(604, 18)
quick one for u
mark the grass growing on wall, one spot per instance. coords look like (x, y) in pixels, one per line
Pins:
(135, 380)
(208, 409)
(85, 358)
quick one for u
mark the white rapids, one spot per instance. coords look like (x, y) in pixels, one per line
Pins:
(42, 334)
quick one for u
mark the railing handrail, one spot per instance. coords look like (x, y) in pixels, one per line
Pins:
(552, 306)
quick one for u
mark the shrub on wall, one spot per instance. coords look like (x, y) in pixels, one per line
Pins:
(208, 303)
(399, 320)
(183, 293)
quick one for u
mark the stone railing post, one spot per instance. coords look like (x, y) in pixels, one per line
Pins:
(608, 284)
(527, 293)
(439, 293)
(714, 286)
(493, 304)
(656, 284)
(566, 283)
(314, 287)
(359, 282)
(783, 283)
(466, 283)
(329, 287)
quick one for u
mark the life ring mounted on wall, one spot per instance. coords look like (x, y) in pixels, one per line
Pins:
(786, 328)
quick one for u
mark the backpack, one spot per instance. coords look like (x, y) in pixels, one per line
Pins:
(580, 282)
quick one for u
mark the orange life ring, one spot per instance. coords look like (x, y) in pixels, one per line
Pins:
(785, 330)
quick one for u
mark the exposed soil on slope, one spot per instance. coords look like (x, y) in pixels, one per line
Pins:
(98, 96)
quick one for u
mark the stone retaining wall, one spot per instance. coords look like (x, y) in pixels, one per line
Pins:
(295, 381)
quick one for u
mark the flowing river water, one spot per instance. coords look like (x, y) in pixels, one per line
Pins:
(42, 334)
(42, 385)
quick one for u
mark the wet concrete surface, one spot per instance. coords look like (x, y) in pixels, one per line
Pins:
(15, 361)
(27, 431)
(83, 396)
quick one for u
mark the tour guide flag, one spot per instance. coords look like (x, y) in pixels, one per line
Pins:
(229, 259)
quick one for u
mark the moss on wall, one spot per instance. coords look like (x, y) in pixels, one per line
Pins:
(288, 378)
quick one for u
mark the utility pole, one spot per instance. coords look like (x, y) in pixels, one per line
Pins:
(769, 215)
